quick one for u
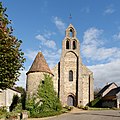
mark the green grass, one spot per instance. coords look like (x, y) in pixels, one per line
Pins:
(93, 108)
(45, 114)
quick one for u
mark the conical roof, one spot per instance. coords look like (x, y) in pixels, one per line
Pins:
(39, 65)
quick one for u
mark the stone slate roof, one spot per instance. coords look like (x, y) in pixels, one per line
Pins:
(104, 89)
(113, 92)
(39, 65)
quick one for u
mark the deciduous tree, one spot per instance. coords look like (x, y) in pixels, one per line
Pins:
(11, 56)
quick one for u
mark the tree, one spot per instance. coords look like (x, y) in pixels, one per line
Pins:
(23, 96)
(11, 56)
(48, 96)
(14, 103)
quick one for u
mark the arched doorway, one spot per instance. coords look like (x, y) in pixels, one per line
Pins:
(70, 100)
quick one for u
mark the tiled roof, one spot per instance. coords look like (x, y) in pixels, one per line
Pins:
(39, 65)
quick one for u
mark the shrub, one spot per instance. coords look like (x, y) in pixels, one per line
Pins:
(45, 102)
(2, 111)
(80, 106)
(86, 108)
(11, 115)
(46, 114)
(69, 108)
(95, 102)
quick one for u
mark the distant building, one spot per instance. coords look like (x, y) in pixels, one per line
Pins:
(107, 89)
(6, 97)
(110, 96)
(72, 80)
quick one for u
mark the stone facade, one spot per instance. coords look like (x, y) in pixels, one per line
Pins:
(79, 91)
(33, 80)
(72, 80)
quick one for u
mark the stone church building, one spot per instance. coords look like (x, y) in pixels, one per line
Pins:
(72, 80)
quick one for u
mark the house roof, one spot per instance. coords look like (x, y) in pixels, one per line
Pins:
(113, 92)
(39, 65)
(105, 88)
(14, 89)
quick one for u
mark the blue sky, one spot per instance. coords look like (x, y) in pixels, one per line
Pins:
(41, 25)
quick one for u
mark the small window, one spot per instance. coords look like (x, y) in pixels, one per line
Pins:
(43, 81)
(67, 44)
(70, 75)
(71, 33)
(74, 45)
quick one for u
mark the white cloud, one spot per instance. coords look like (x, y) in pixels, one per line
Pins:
(93, 49)
(48, 34)
(93, 46)
(31, 54)
(52, 57)
(109, 10)
(46, 42)
(59, 24)
(106, 73)
(117, 36)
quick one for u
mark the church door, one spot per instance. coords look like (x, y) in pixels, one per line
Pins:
(70, 100)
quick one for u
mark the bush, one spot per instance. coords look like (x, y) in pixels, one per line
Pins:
(80, 106)
(45, 114)
(14, 103)
(45, 102)
(11, 115)
(69, 108)
(86, 108)
(95, 102)
(2, 111)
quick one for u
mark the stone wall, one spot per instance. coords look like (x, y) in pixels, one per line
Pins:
(70, 63)
(55, 77)
(33, 80)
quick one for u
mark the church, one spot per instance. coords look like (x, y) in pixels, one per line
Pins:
(72, 80)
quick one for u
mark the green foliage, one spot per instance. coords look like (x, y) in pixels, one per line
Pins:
(86, 108)
(94, 108)
(48, 96)
(3, 111)
(69, 108)
(80, 106)
(15, 103)
(45, 102)
(11, 116)
(11, 56)
(23, 96)
(95, 102)
(31, 105)
(46, 114)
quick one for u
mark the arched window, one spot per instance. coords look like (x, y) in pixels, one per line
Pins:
(71, 33)
(74, 45)
(70, 75)
(67, 44)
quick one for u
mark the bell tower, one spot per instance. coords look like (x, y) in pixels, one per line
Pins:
(70, 68)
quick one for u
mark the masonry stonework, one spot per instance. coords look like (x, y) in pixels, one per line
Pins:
(72, 80)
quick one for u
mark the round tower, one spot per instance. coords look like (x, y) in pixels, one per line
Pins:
(36, 74)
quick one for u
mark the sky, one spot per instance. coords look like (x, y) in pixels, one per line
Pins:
(41, 25)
